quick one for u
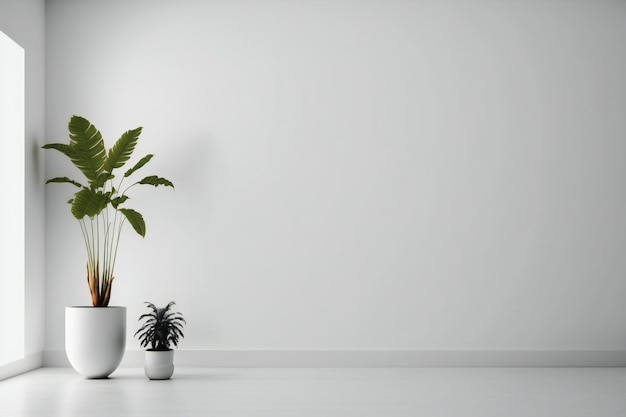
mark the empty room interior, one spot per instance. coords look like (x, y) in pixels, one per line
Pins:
(313, 208)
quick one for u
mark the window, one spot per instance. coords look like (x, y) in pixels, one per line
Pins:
(12, 202)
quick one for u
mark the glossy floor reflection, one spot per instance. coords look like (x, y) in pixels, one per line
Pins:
(303, 392)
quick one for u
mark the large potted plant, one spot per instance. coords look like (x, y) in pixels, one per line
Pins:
(160, 330)
(95, 336)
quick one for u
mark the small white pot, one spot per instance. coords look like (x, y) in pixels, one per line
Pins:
(95, 339)
(159, 363)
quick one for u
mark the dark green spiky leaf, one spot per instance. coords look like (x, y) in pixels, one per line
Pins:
(138, 165)
(118, 200)
(122, 150)
(100, 180)
(136, 220)
(63, 180)
(87, 142)
(156, 181)
(162, 328)
(88, 203)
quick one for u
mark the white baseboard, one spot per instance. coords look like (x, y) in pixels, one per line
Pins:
(374, 358)
(29, 363)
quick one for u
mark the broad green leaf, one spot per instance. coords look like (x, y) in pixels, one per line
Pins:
(88, 203)
(64, 148)
(136, 220)
(100, 180)
(87, 142)
(118, 200)
(122, 150)
(63, 180)
(138, 165)
(156, 181)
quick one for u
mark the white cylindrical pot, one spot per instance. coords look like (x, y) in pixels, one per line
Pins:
(95, 339)
(159, 363)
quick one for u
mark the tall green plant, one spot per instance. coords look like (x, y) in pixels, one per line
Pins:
(98, 205)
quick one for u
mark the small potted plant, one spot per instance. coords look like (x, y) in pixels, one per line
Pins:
(161, 328)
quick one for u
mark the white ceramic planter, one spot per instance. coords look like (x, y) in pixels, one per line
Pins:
(95, 339)
(159, 364)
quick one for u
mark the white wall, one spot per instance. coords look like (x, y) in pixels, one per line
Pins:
(356, 175)
(24, 22)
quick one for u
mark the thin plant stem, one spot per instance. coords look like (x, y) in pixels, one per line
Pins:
(83, 229)
(117, 243)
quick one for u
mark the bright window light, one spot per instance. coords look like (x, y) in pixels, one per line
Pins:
(12, 205)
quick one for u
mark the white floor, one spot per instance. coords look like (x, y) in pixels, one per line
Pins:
(302, 392)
